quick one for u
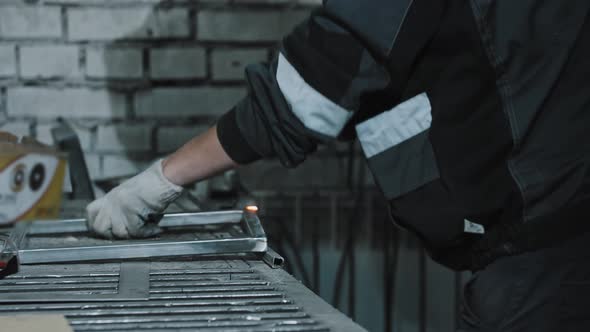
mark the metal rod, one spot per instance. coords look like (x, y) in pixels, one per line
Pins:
(47, 227)
(273, 259)
(422, 295)
(316, 256)
(141, 250)
(299, 263)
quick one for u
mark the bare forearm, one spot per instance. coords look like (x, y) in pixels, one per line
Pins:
(200, 158)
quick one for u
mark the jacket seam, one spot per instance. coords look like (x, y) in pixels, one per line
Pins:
(503, 86)
(391, 46)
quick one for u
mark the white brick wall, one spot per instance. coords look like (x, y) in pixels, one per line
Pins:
(126, 23)
(114, 62)
(124, 138)
(187, 102)
(43, 134)
(246, 26)
(135, 78)
(50, 103)
(47, 61)
(7, 61)
(30, 22)
(117, 166)
(229, 64)
(19, 128)
(178, 63)
(169, 138)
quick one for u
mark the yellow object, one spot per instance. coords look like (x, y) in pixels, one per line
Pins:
(31, 180)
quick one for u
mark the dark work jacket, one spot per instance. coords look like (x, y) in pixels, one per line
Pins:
(472, 114)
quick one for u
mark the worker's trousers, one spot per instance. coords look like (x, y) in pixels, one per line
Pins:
(546, 290)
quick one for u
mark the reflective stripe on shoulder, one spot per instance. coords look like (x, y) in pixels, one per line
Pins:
(395, 126)
(317, 112)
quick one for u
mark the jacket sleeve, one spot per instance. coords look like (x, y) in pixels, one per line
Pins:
(310, 91)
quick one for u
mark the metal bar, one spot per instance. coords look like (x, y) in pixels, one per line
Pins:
(19, 233)
(273, 259)
(142, 250)
(218, 289)
(236, 295)
(185, 273)
(78, 314)
(67, 140)
(179, 319)
(141, 304)
(166, 284)
(58, 288)
(423, 300)
(115, 297)
(252, 225)
(62, 297)
(47, 227)
(51, 283)
(245, 324)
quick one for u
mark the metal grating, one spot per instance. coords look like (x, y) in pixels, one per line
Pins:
(125, 281)
(45, 287)
(75, 284)
(178, 296)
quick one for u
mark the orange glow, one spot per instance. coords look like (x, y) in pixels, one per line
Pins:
(252, 208)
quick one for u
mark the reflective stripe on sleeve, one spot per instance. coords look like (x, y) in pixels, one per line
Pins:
(395, 126)
(315, 111)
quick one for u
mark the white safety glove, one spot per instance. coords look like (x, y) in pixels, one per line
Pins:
(125, 211)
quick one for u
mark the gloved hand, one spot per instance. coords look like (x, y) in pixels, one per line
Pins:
(125, 211)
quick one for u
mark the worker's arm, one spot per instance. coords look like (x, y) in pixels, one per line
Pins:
(125, 211)
(310, 91)
(304, 97)
(189, 164)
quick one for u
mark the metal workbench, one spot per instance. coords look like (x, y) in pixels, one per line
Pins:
(211, 272)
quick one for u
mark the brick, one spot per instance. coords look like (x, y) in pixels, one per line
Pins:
(229, 64)
(187, 102)
(247, 26)
(30, 22)
(47, 103)
(124, 138)
(120, 166)
(126, 23)
(7, 61)
(18, 128)
(119, 63)
(171, 138)
(49, 61)
(178, 63)
(43, 134)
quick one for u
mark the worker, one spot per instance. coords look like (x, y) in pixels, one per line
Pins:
(473, 117)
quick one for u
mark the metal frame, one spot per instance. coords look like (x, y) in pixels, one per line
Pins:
(254, 241)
